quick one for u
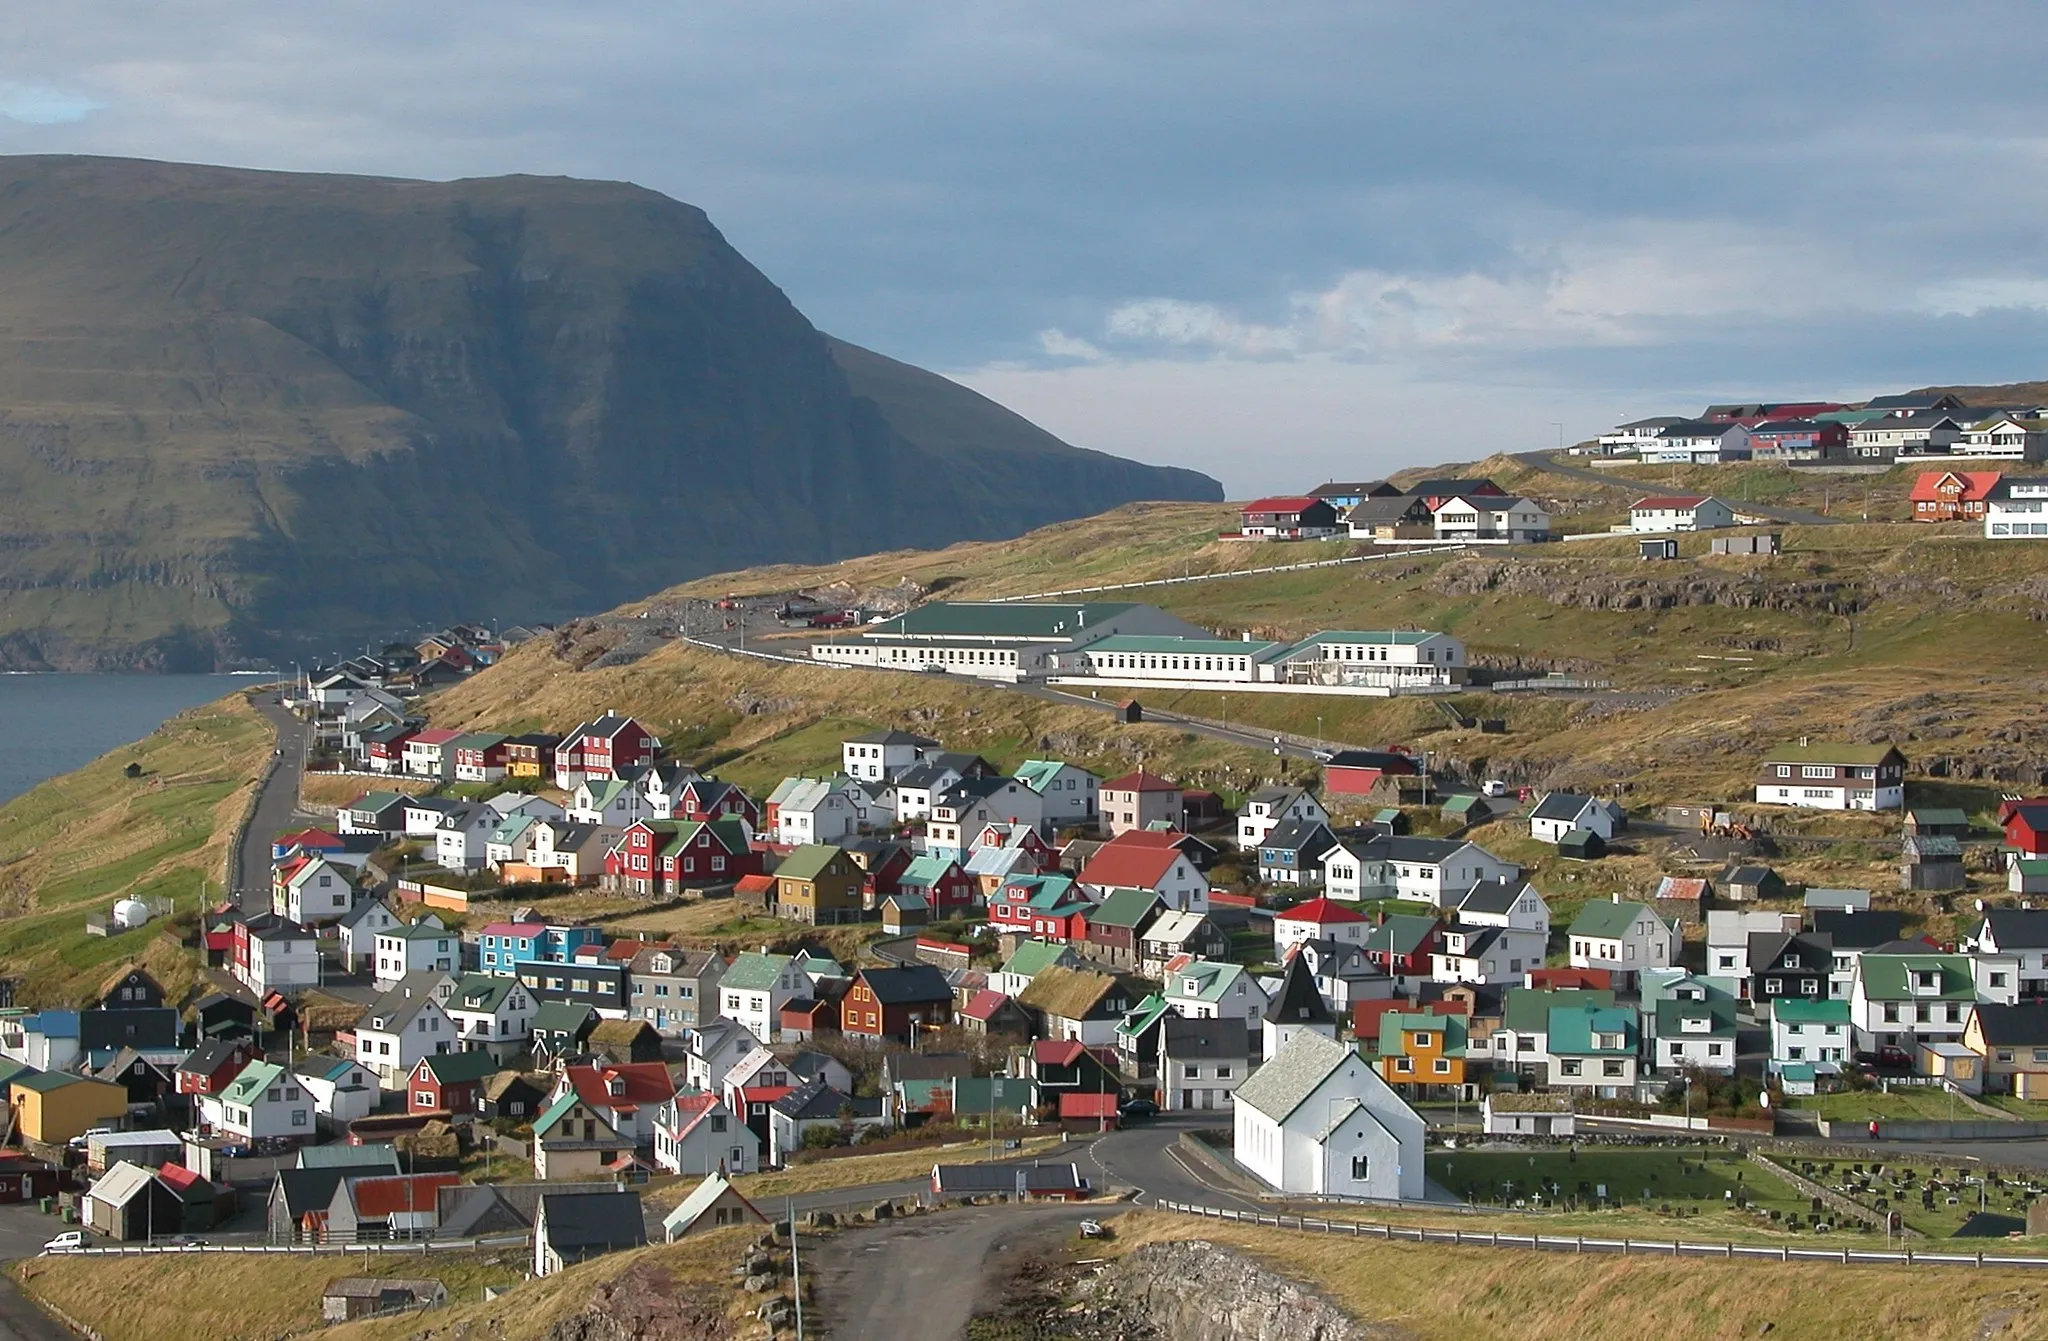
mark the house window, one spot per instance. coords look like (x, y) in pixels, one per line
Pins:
(1443, 1066)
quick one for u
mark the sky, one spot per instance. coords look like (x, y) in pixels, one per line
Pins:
(1280, 243)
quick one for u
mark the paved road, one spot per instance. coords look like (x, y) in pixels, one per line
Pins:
(22, 1321)
(920, 1277)
(275, 811)
(1549, 461)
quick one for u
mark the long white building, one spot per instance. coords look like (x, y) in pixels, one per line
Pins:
(2017, 510)
(996, 640)
(1391, 659)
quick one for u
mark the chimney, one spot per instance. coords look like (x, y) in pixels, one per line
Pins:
(1616, 896)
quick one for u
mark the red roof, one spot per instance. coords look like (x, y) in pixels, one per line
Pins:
(1129, 865)
(985, 1003)
(948, 947)
(435, 737)
(637, 1083)
(754, 884)
(1140, 781)
(527, 929)
(1668, 502)
(1088, 1105)
(1056, 1051)
(1320, 911)
(1977, 485)
(1588, 979)
(220, 940)
(180, 1178)
(1147, 838)
(1278, 504)
(308, 838)
(764, 1094)
(394, 1193)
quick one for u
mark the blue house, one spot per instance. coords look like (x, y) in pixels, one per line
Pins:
(502, 947)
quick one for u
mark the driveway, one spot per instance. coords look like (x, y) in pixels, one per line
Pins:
(276, 808)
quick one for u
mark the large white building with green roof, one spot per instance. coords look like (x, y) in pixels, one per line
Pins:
(1383, 661)
(996, 640)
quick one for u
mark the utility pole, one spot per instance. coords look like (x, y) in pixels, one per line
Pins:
(796, 1278)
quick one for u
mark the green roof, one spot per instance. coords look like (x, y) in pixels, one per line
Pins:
(978, 1094)
(1400, 934)
(1030, 959)
(1937, 815)
(1458, 805)
(807, 862)
(1175, 646)
(453, 1068)
(1527, 1009)
(1037, 773)
(1213, 978)
(481, 991)
(375, 801)
(1828, 752)
(1572, 1029)
(1386, 637)
(1142, 1016)
(926, 871)
(1394, 1022)
(2032, 865)
(1124, 908)
(604, 793)
(754, 971)
(1002, 619)
(476, 740)
(1607, 918)
(555, 1112)
(1886, 977)
(1672, 1011)
(1795, 1010)
(251, 1082)
(417, 931)
(42, 1082)
(559, 1017)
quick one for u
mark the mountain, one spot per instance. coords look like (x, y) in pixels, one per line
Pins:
(249, 414)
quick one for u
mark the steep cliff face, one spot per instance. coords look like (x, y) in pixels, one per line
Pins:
(246, 413)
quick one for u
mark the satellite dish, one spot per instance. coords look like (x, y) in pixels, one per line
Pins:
(1980, 904)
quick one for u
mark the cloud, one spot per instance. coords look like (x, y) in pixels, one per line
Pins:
(42, 105)
(1060, 345)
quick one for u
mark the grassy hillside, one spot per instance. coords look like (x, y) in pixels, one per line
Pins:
(77, 842)
(1539, 1296)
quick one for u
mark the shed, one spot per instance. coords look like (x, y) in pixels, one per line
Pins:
(1130, 711)
(1657, 547)
(364, 1296)
(713, 1204)
(1033, 1181)
(1471, 808)
(131, 1202)
(1747, 884)
(574, 1227)
(1582, 845)
(1754, 542)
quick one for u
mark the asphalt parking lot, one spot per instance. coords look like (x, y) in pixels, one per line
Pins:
(24, 1230)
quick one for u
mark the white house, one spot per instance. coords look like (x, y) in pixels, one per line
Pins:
(1693, 1030)
(359, 931)
(879, 756)
(402, 1026)
(1069, 794)
(423, 814)
(1904, 1000)
(283, 957)
(1679, 512)
(1697, 442)
(1265, 809)
(962, 810)
(1485, 520)
(1624, 938)
(1833, 775)
(1814, 1034)
(2017, 510)
(263, 1102)
(1558, 813)
(1319, 919)
(814, 810)
(1436, 871)
(492, 1014)
(1513, 904)
(754, 989)
(415, 947)
(1472, 953)
(1382, 658)
(342, 1090)
(697, 1134)
(1208, 989)
(1636, 435)
(711, 1050)
(1316, 1120)
(2009, 952)
(319, 891)
(1166, 871)
(1201, 1062)
(463, 836)
(1728, 933)
(614, 802)
(2006, 437)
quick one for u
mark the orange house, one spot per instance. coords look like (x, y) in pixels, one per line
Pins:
(1422, 1050)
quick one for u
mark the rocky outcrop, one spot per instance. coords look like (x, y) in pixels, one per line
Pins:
(1199, 1291)
(1592, 587)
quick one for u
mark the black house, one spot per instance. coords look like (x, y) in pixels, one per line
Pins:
(131, 989)
(1789, 964)
(144, 1028)
(599, 985)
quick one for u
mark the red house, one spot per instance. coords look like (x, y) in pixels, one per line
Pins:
(603, 749)
(449, 1082)
(946, 888)
(1580, 979)
(665, 856)
(1953, 495)
(483, 757)
(1290, 519)
(885, 867)
(896, 1002)
(1400, 946)
(1047, 907)
(210, 1067)
(386, 752)
(710, 799)
(1357, 772)
(1044, 854)
(2026, 826)
(1788, 438)
(309, 840)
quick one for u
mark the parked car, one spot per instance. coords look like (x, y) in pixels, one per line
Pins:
(1137, 1108)
(1493, 787)
(70, 1240)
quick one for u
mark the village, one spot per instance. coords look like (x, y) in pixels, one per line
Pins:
(1330, 986)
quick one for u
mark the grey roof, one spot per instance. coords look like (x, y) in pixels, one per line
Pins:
(393, 1012)
(1423, 851)
(1298, 1001)
(1859, 930)
(1202, 1040)
(1747, 875)
(889, 738)
(815, 1099)
(1561, 806)
(483, 1208)
(986, 1179)
(1391, 510)
(1492, 896)
(1287, 1080)
(2018, 928)
(908, 984)
(584, 1222)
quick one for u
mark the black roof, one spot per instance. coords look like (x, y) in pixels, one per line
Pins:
(1698, 428)
(209, 1057)
(907, 985)
(312, 1189)
(1301, 835)
(816, 1099)
(1400, 507)
(2018, 928)
(1444, 488)
(1491, 896)
(1381, 759)
(1747, 875)
(1787, 426)
(1560, 806)
(1858, 931)
(2024, 1025)
(583, 1221)
(1909, 400)
(1298, 1001)
(1353, 489)
(984, 1179)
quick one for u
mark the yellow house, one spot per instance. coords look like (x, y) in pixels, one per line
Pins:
(51, 1107)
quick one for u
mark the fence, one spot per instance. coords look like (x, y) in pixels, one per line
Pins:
(416, 1247)
(1580, 1243)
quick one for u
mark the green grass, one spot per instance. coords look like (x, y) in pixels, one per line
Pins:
(1900, 1182)
(1686, 1180)
(1923, 1103)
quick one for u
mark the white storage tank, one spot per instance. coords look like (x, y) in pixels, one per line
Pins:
(130, 913)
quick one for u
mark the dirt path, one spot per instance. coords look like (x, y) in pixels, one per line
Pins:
(919, 1278)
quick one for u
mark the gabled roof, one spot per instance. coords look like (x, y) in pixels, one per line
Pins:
(1497, 897)
(2017, 928)
(250, 1082)
(1129, 865)
(1573, 1028)
(1668, 502)
(1830, 752)
(1298, 1001)
(908, 984)
(1296, 1072)
(1527, 1009)
(755, 971)
(1125, 907)
(1888, 977)
(1718, 1013)
(622, 1086)
(1213, 979)
(1140, 781)
(1606, 918)
(1031, 958)
(1201, 1040)
(1294, 504)
(703, 1196)
(808, 862)
(1401, 933)
(581, 1223)
(457, 1068)
(1796, 1010)
(1561, 806)
(1069, 994)
(1322, 912)
(2023, 1025)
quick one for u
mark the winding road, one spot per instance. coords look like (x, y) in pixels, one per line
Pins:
(276, 808)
